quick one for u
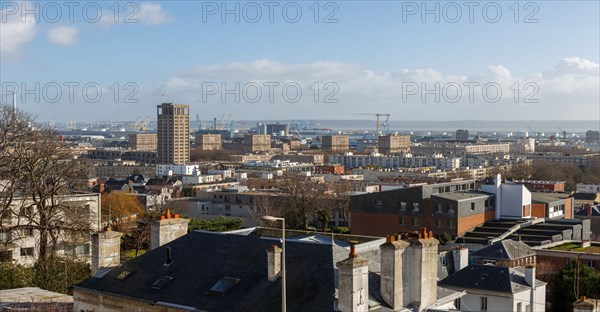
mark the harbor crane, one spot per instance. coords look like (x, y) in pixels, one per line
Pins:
(377, 115)
(564, 133)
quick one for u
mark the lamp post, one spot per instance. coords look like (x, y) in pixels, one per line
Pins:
(271, 218)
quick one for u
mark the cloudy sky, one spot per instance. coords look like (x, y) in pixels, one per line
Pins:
(110, 60)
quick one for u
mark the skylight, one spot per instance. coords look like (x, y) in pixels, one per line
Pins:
(223, 286)
(161, 282)
(123, 275)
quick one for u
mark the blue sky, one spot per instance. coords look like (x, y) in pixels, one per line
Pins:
(370, 54)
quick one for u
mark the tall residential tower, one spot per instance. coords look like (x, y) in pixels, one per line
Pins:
(173, 133)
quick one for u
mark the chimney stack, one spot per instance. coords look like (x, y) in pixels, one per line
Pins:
(422, 279)
(353, 283)
(393, 258)
(167, 229)
(461, 258)
(530, 275)
(273, 262)
(106, 250)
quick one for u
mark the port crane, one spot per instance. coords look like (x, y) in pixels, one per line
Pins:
(564, 133)
(377, 115)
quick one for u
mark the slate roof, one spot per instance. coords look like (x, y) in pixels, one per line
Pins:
(585, 212)
(200, 260)
(488, 278)
(504, 250)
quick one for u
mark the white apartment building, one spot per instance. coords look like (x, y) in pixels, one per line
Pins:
(21, 247)
(350, 160)
(169, 170)
(588, 188)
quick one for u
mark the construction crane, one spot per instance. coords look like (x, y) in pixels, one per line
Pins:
(377, 115)
(564, 133)
(537, 134)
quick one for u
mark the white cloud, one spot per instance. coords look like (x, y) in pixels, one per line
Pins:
(14, 31)
(152, 14)
(63, 35)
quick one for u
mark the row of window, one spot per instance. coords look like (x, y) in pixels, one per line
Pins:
(69, 250)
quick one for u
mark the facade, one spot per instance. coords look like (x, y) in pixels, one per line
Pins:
(513, 201)
(592, 136)
(393, 144)
(571, 159)
(350, 160)
(522, 146)
(588, 188)
(410, 208)
(317, 159)
(144, 157)
(208, 142)
(558, 258)
(257, 143)
(167, 170)
(143, 141)
(462, 135)
(460, 149)
(336, 143)
(543, 186)
(276, 129)
(549, 205)
(21, 246)
(329, 169)
(173, 133)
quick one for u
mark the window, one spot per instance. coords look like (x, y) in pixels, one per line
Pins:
(415, 207)
(402, 206)
(401, 220)
(4, 236)
(439, 208)
(223, 286)
(27, 252)
(438, 222)
(27, 232)
(379, 203)
(486, 261)
(472, 206)
(483, 303)
(527, 308)
(450, 223)
(590, 263)
(443, 260)
(6, 255)
(415, 221)
(162, 282)
(519, 307)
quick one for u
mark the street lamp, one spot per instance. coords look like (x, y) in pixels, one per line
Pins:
(272, 219)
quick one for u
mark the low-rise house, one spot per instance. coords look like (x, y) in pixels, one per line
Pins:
(506, 253)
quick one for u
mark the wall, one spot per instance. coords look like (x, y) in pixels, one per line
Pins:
(86, 301)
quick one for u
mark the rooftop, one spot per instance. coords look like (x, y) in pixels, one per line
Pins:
(463, 195)
(488, 278)
(504, 250)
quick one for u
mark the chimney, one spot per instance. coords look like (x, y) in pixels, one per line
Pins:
(590, 210)
(353, 283)
(461, 258)
(106, 250)
(167, 229)
(530, 275)
(273, 262)
(421, 282)
(392, 271)
(498, 208)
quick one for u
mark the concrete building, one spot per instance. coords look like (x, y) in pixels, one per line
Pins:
(462, 135)
(143, 141)
(498, 289)
(522, 146)
(393, 144)
(335, 143)
(586, 160)
(119, 154)
(460, 148)
(275, 129)
(20, 246)
(208, 142)
(592, 136)
(350, 161)
(169, 170)
(317, 159)
(257, 143)
(513, 201)
(543, 186)
(173, 133)
(588, 188)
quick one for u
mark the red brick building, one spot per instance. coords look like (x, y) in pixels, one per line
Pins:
(329, 169)
(541, 186)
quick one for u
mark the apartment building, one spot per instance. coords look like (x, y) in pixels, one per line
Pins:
(586, 160)
(393, 144)
(460, 148)
(349, 160)
(143, 141)
(208, 142)
(173, 132)
(257, 143)
(335, 143)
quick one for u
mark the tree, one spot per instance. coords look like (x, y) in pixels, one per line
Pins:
(220, 224)
(118, 209)
(575, 280)
(38, 172)
(302, 198)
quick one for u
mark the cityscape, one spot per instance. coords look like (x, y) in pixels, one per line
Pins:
(344, 156)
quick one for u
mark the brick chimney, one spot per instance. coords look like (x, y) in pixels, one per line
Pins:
(168, 228)
(422, 265)
(273, 262)
(393, 269)
(106, 250)
(353, 283)
(461, 258)
(590, 211)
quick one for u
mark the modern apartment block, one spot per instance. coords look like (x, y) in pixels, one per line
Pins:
(460, 149)
(257, 142)
(173, 126)
(393, 144)
(462, 135)
(142, 141)
(336, 143)
(208, 142)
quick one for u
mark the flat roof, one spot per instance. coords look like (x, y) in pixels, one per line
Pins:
(463, 195)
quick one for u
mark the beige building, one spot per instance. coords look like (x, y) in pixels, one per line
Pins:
(173, 127)
(336, 143)
(392, 144)
(208, 142)
(142, 141)
(257, 142)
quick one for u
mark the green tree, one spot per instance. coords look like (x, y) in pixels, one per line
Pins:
(575, 280)
(220, 224)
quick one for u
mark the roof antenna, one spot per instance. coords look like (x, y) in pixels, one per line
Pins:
(169, 256)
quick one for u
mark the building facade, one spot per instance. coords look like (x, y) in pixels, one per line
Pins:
(143, 141)
(393, 144)
(173, 127)
(257, 142)
(336, 143)
(208, 142)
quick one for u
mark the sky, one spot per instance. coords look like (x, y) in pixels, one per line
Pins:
(434, 60)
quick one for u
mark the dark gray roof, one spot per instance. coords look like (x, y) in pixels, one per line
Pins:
(201, 259)
(488, 278)
(585, 212)
(504, 250)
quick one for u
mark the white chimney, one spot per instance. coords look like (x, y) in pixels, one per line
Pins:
(353, 283)
(461, 258)
(422, 279)
(392, 266)
(498, 184)
(167, 229)
(273, 262)
(530, 275)
(106, 250)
